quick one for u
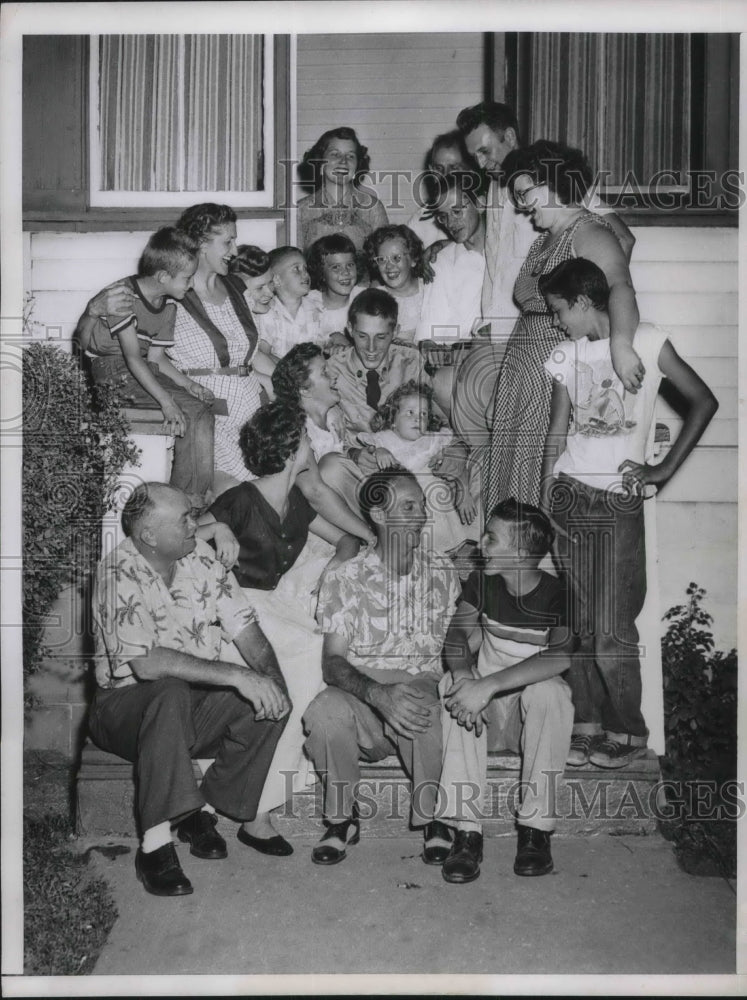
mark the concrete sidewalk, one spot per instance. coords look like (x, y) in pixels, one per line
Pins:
(613, 905)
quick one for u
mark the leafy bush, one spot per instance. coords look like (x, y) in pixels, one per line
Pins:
(700, 725)
(67, 913)
(75, 444)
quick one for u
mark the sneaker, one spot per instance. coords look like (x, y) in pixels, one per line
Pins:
(610, 753)
(581, 746)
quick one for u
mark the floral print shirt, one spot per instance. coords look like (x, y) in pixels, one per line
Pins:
(390, 622)
(134, 610)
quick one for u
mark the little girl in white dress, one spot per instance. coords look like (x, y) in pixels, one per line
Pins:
(406, 432)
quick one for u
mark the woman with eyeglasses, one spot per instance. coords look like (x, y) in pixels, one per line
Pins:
(335, 166)
(547, 181)
(394, 255)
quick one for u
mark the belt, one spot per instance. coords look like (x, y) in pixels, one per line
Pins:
(236, 370)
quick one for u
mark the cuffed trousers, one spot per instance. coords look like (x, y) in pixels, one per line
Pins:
(161, 725)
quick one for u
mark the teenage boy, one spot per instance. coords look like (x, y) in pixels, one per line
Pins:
(129, 350)
(516, 614)
(595, 478)
(289, 319)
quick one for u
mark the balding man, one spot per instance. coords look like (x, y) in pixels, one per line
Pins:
(162, 604)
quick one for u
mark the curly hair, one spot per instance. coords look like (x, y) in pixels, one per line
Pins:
(310, 166)
(291, 373)
(375, 492)
(250, 261)
(270, 438)
(324, 247)
(413, 245)
(532, 528)
(202, 221)
(565, 170)
(386, 414)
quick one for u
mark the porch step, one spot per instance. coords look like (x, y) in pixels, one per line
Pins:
(588, 799)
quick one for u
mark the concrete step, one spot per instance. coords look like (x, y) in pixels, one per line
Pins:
(588, 800)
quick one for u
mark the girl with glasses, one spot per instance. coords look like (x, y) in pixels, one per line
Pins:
(394, 255)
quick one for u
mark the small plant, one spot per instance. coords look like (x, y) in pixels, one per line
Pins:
(700, 725)
(75, 444)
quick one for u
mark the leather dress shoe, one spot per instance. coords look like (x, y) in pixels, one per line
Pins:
(198, 830)
(331, 848)
(533, 855)
(161, 873)
(463, 861)
(436, 843)
(276, 847)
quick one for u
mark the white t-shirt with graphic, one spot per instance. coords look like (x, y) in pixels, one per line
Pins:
(608, 425)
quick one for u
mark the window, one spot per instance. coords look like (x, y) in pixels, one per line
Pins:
(650, 111)
(173, 116)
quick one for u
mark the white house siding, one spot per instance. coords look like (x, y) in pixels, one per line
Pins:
(686, 281)
(397, 91)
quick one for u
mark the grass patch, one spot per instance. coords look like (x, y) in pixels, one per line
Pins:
(68, 911)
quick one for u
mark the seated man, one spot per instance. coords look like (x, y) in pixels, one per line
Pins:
(384, 615)
(161, 605)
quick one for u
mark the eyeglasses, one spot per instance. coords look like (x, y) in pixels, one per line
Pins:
(520, 197)
(393, 258)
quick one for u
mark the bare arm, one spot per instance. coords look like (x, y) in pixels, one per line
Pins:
(165, 365)
(702, 405)
(326, 502)
(555, 442)
(623, 234)
(173, 418)
(399, 704)
(261, 692)
(603, 249)
(457, 651)
(114, 300)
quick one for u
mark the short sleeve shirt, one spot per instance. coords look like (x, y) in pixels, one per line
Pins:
(402, 363)
(268, 545)
(153, 326)
(609, 425)
(390, 622)
(134, 610)
(515, 626)
(281, 331)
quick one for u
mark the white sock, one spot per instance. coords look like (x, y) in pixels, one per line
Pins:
(156, 837)
(207, 808)
(467, 826)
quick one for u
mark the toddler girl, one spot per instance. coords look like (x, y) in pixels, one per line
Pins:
(252, 265)
(395, 262)
(331, 261)
(407, 432)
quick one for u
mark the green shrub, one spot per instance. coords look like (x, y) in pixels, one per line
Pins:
(75, 444)
(700, 726)
(67, 913)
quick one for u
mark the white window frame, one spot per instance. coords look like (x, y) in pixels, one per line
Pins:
(182, 199)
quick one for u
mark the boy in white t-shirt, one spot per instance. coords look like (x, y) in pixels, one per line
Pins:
(596, 476)
(290, 319)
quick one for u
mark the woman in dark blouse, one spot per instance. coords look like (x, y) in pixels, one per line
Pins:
(271, 520)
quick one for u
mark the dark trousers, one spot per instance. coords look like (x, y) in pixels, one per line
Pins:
(192, 469)
(162, 725)
(606, 565)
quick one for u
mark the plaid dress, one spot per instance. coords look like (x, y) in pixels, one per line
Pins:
(521, 413)
(193, 349)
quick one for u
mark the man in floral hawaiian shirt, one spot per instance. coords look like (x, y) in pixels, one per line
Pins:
(384, 615)
(162, 604)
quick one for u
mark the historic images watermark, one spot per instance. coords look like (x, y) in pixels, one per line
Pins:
(588, 798)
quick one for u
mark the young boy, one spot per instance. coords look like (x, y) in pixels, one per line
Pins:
(595, 478)
(129, 349)
(517, 614)
(289, 320)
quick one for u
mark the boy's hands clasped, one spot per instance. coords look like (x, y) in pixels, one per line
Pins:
(466, 701)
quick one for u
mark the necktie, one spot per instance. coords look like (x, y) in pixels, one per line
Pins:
(373, 388)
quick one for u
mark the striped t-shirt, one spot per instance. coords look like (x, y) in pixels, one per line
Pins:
(514, 627)
(153, 326)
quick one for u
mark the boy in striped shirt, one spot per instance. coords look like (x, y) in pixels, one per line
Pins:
(514, 615)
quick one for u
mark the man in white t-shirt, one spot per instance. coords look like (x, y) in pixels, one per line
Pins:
(596, 476)
(490, 132)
